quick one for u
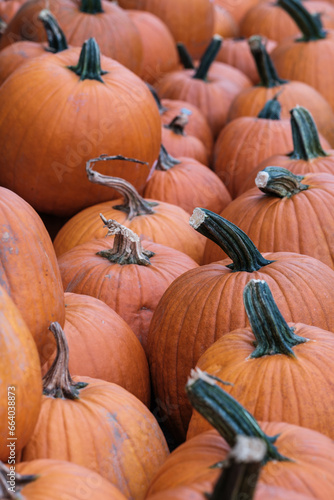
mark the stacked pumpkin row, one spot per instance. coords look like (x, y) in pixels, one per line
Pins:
(148, 295)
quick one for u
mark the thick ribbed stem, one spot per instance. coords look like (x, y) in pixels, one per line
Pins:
(91, 6)
(127, 247)
(306, 142)
(235, 243)
(11, 483)
(272, 109)
(309, 24)
(225, 414)
(89, 65)
(273, 334)
(178, 124)
(185, 58)
(134, 204)
(208, 58)
(56, 38)
(265, 67)
(165, 160)
(57, 382)
(279, 182)
(242, 468)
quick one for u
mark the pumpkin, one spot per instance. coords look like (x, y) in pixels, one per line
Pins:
(246, 141)
(316, 46)
(250, 101)
(161, 222)
(282, 366)
(190, 23)
(205, 303)
(103, 427)
(29, 270)
(20, 375)
(84, 109)
(103, 346)
(125, 273)
(211, 87)
(307, 156)
(14, 55)
(225, 24)
(297, 459)
(54, 480)
(275, 218)
(236, 9)
(112, 28)
(186, 183)
(159, 52)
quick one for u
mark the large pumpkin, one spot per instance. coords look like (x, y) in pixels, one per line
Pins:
(205, 303)
(84, 109)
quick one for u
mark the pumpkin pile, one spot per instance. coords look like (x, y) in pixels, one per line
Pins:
(166, 249)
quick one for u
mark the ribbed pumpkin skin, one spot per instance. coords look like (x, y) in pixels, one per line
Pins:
(188, 185)
(309, 473)
(20, 376)
(205, 303)
(321, 164)
(225, 25)
(237, 9)
(74, 120)
(29, 270)
(58, 479)
(103, 346)
(301, 224)
(159, 51)
(107, 430)
(250, 102)
(132, 290)
(190, 23)
(184, 145)
(275, 388)
(14, 55)
(113, 30)
(245, 142)
(169, 226)
(213, 97)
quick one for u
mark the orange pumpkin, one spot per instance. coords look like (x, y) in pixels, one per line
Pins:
(225, 24)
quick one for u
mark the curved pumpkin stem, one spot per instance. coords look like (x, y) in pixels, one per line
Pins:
(178, 124)
(127, 247)
(8, 491)
(57, 382)
(55, 35)
(235, 243)
(208, 58)
(165, 161)
(272, 109)
(91, 6)
(185, 58)
(273, 334)
(306, 142)
(265, 67)
(279, 182)
(89, 65)
(241, 470)
(134, 204)
(154, 93)
(225, 414)
(309, 24)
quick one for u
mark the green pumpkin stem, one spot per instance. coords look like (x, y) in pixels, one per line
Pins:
(306, 142)
(232, 240)
(239, 477)
(225, 414)
(89, 65)
(208, 58)
(154, 93)
(178, 124)
(20, 482)
(272, 109)
(165, 161)
(265, 67)
(309, 24)
(279, 182)
(56, 38)
(134, 204)
(57, 382)
(185, 58)
(91, 6)
(272, 333)
(127, 247)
